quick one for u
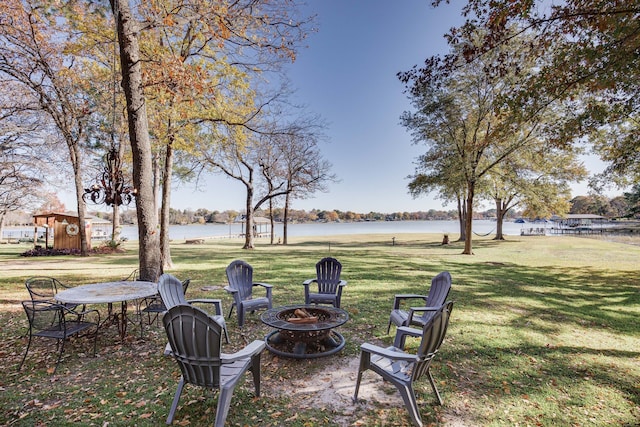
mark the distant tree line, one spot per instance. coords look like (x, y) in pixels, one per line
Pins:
(623, 206)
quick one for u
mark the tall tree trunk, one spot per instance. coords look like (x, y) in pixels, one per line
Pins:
(468, 221)
(165, 249)
(248, 232)
(285, 219)
(148, 238)
(272, 222)
(462, 212)
(500, 212)
(74, 150)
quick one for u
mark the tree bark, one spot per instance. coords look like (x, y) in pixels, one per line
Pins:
(248, 232)
(165, 249)
(500, 212)
(148, 236)
(285, 219)
(469, 220)
(462, 212)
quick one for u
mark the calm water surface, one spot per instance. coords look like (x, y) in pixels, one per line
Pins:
(330, 229)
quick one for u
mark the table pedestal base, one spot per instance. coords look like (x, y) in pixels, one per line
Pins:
(329, 344)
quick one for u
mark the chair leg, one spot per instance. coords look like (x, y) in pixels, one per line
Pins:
(355, 393)
(59, 354)
(176, 399)
(231, 310)
(226, 334)
(224, 401)
(409, 397)
(389, 327)
(25, 353)
(433, 386)
(255, 371)
(365, 362)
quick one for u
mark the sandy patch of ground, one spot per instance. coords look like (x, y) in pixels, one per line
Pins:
(332, 388)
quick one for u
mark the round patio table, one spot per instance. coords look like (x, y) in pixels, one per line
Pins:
(109, 293)
(304, 340)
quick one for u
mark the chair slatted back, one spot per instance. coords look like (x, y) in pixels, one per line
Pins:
(439, 291)
(172, 290)
(328, 275)
(195, 341)
(433, 334)
(240, 277)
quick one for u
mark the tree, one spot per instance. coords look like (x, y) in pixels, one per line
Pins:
(245, 163)
(20, 169)
(32, 56)
(149, 242)
(464, 115)
(537, 177)
(587, 56)
(303, 169)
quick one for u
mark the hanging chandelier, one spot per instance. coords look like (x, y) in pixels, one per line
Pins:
(111, 189)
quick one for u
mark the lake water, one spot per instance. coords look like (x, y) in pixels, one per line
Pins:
(192, 231)
(177, 232)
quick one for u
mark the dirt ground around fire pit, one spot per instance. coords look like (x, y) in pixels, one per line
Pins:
(332, 389)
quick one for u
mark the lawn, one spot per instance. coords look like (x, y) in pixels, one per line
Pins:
(544, 332)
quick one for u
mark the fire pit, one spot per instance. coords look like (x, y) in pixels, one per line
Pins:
(304, 331)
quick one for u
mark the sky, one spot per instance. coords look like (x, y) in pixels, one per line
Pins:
(347, 76)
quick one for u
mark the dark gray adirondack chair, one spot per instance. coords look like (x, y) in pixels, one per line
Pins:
(154, 306)
(240, 277)
(329, 284)
(55, 321)
(194, 340)
(438, 292)
(171, 292)
(402, 369)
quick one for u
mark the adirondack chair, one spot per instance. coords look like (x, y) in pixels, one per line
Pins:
(194, 342)
(329, 284)
(240, 277)
(154, 306)
(171, 292)
(438, 292)
(402, 369)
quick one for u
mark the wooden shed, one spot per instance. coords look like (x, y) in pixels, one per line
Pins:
(63, 228)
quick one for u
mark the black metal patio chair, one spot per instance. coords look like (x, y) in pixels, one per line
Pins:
(55, 321)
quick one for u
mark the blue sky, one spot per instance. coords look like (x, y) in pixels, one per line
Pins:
(347, 75)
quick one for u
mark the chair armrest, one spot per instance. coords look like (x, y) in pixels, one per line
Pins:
(397, 299)
(230, 290)
(309, 281)
(342, 283)
(402, 333)
(264, 285)
(389, 352)
(413, 310)
(251, 350)
(216, 302)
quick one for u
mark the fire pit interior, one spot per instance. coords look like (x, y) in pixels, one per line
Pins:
(304, 331)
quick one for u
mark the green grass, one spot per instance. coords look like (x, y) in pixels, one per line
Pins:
(544, 332)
